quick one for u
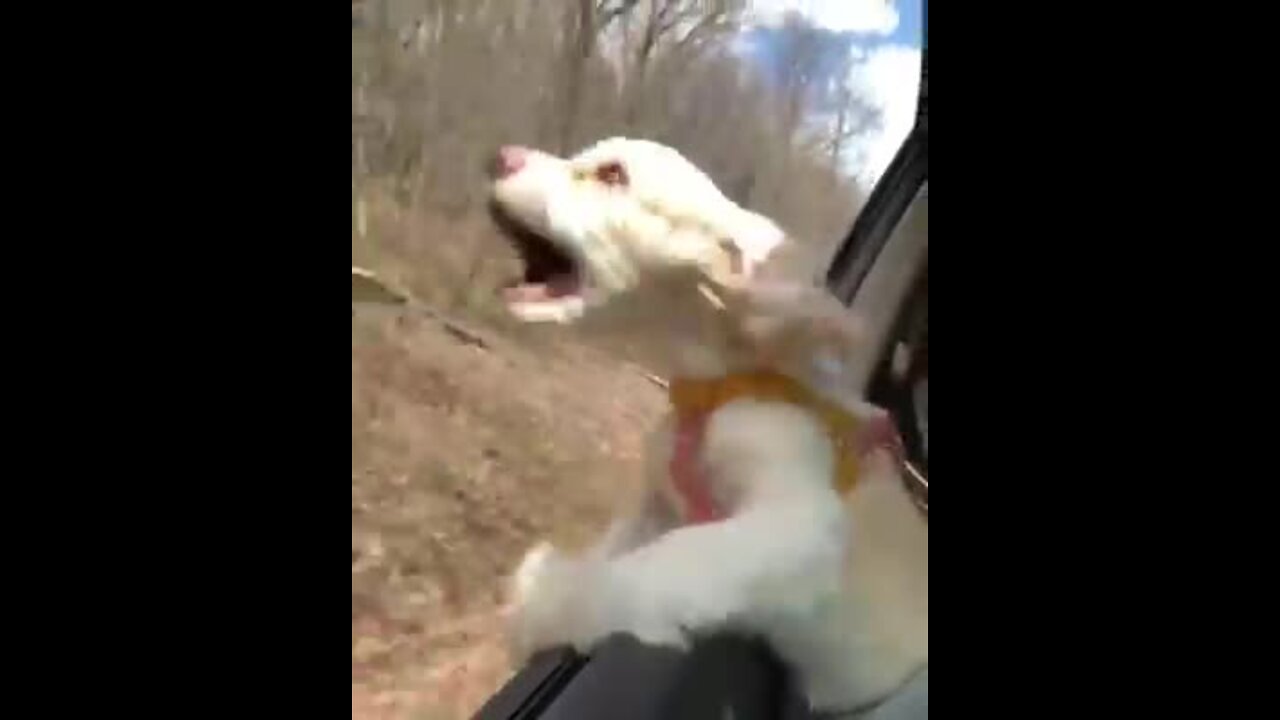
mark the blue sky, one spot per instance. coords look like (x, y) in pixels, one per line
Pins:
(910, 30)
(882, 39)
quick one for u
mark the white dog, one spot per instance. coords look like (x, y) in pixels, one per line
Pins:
(771, 509)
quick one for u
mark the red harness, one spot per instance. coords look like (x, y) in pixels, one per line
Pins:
(688, 476)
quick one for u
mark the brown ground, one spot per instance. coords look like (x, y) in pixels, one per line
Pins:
(462, 456)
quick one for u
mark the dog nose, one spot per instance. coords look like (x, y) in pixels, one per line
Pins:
(508, 161)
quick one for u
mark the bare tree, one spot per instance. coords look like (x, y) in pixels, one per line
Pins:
(587, 20)
(559, 73)
(685, 26)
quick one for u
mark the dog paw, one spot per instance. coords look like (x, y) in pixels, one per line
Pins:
(562, 601)
(531, 568)
(548, 605)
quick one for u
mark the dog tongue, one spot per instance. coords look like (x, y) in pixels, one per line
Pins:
(562, 285)
(555, 287)
(525, 292)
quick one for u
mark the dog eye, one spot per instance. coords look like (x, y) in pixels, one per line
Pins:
(612, 174)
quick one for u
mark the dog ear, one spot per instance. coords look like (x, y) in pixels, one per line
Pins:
(368, 288)
(794, 322)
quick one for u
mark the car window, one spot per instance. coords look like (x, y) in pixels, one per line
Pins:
(894, 299)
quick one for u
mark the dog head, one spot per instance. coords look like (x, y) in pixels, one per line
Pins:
(632, 234)
(623, 220)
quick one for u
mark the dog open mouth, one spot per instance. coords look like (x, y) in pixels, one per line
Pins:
(550, 274)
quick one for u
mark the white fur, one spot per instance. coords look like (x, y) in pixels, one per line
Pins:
(838, 586)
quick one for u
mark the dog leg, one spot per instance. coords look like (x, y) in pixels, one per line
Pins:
(755, 565)
(705, 577)
(548, 581)
(779, 554)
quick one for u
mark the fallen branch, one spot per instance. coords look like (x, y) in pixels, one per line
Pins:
(459, 332)
(648, 376)
(369, 289)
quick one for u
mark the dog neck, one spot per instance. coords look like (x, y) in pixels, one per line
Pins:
(672, 331)
(710, 346)
(676, 332)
